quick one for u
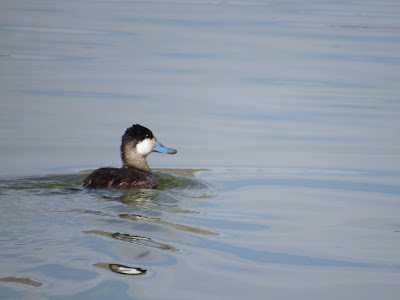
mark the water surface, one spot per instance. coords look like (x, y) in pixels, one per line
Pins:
(286, 120)
(237, 232)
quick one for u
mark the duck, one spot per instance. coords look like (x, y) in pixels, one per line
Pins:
(137, 142)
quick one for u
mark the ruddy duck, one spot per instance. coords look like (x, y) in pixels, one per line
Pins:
(137, 143)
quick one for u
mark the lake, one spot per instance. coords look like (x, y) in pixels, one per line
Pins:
(286, 118)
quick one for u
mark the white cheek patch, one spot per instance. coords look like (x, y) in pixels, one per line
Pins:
(146, 146)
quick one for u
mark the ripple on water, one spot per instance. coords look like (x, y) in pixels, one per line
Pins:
(252, 220)
(50, 198)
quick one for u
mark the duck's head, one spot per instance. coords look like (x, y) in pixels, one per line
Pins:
(137, 143)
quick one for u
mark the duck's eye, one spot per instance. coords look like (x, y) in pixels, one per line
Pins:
(147, 136)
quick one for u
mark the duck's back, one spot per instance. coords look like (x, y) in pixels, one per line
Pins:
(120, 178)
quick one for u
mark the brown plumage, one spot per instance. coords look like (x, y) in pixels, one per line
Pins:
(137, 143)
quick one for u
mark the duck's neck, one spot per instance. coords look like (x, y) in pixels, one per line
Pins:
(131, 159)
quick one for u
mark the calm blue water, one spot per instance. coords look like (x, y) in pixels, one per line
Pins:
(286, 184)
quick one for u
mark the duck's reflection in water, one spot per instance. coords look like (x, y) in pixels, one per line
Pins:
(153, 200)
(168, 200)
